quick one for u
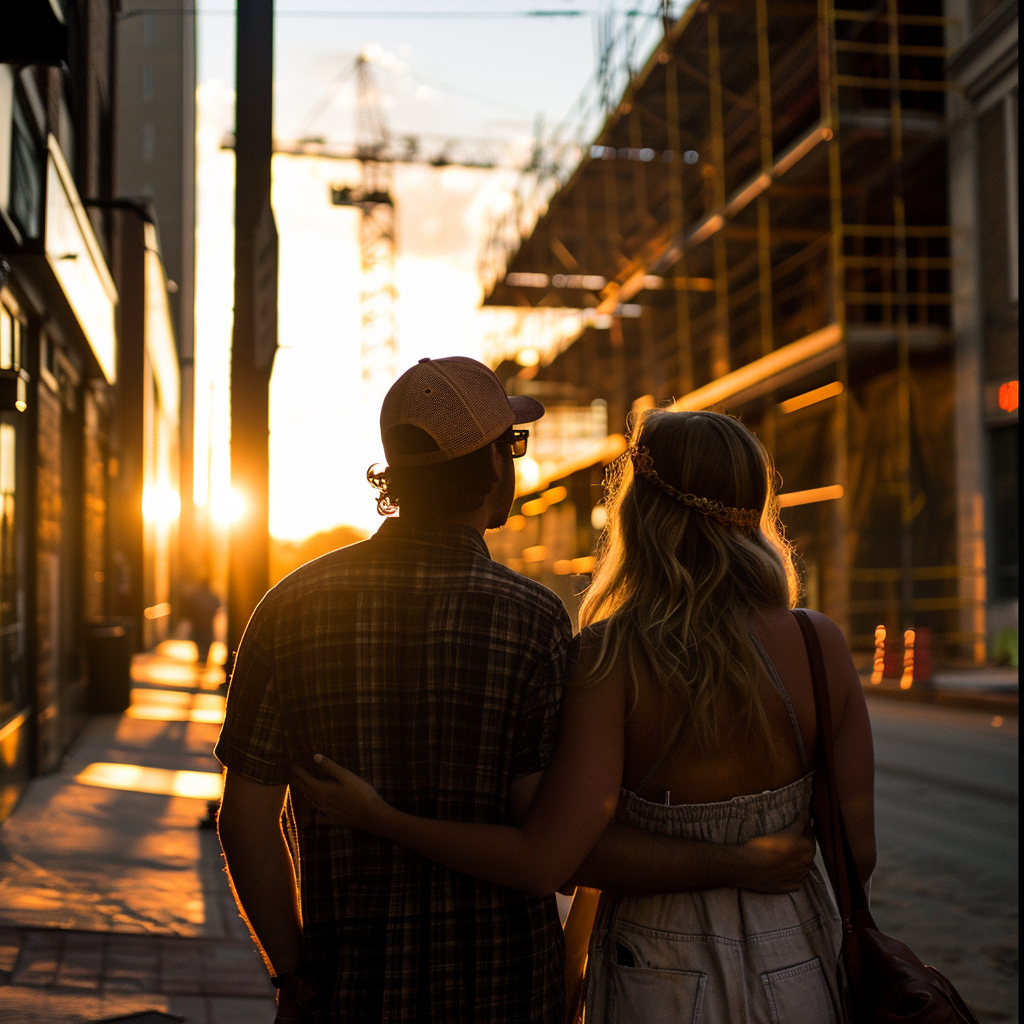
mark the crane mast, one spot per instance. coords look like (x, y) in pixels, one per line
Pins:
(373, 197)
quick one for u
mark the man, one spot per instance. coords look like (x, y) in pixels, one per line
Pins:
(201, 605)
(435, 673)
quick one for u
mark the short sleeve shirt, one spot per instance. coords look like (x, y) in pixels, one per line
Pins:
(435, 673)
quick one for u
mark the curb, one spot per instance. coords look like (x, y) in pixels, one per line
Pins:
(993, 703)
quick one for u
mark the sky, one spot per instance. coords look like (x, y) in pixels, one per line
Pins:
(485, 80)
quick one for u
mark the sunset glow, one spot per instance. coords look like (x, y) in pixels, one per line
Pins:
(324, 430)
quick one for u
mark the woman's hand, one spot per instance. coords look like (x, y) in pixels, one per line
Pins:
(344, 799)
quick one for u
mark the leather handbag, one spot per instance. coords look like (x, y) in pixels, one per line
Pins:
(885, 981)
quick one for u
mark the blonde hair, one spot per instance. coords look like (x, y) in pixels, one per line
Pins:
(677, 584)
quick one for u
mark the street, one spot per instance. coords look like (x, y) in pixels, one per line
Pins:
(946, 793)
(108, 895)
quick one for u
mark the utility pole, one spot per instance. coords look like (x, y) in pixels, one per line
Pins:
(254, 333)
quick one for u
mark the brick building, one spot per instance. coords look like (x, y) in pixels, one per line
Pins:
(85, 339)
(156, 132)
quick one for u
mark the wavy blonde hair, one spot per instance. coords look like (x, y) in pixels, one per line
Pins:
(676, 586)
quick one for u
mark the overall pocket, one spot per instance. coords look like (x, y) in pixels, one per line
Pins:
(799, 994)
(651, 995)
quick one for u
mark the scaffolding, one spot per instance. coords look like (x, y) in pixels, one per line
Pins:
(756, 221)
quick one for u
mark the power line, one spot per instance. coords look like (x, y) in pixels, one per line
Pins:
(378, 15)
(467, 94)
(331, 91)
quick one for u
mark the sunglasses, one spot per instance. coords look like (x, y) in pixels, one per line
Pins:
(519, 438)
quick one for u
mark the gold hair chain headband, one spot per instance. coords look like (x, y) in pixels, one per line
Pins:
(746, 518)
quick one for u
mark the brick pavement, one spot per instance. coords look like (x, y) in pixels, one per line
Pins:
(113, 901)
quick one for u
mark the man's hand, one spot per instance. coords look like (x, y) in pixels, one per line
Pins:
(344, 799)
(778, 862)
(296, 999)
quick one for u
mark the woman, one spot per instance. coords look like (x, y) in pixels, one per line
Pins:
(694, 693)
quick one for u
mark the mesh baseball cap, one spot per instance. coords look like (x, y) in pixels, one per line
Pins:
(458, 402)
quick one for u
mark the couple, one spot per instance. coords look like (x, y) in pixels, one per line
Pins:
(679, 783)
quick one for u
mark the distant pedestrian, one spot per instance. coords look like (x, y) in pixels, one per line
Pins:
(201, 605)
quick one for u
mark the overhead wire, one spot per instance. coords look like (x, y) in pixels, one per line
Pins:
(375, 15)
(331, 91)
(378, 15)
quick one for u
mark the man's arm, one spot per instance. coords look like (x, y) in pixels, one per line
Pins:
(635, 862)
(262, 875)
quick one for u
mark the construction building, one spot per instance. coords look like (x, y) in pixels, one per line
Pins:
(754, 216)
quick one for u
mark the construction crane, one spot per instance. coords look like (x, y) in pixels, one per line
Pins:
(378, 349)
(376, 152)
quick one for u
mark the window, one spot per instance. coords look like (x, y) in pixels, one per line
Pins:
(147, 81)
(147, 28)
(10, 339)
(148, 142)
(26, 173)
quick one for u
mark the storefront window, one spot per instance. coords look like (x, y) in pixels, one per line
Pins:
(12, 696)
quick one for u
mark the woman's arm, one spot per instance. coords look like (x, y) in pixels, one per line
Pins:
(854, 751)
(575, 801)
(634, 862)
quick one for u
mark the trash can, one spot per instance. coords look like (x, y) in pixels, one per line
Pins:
(110, 644)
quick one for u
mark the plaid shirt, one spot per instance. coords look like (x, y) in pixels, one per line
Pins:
(435, 673)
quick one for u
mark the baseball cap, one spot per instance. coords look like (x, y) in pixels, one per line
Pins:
(458, 402)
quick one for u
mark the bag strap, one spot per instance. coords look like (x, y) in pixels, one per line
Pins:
(829, 825)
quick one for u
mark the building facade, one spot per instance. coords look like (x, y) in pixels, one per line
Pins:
(156, 165)
(983, 213)
(63, 356)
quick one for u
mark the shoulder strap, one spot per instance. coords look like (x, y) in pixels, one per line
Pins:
(665, 750)
(829, 826)
(773, 675)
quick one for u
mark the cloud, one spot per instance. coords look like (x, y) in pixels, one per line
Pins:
(215, 103)
(375, 54)
(425, 94)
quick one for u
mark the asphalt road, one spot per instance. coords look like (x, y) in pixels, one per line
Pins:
(946, 793)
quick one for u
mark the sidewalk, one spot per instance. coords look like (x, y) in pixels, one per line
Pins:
(112, 899)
